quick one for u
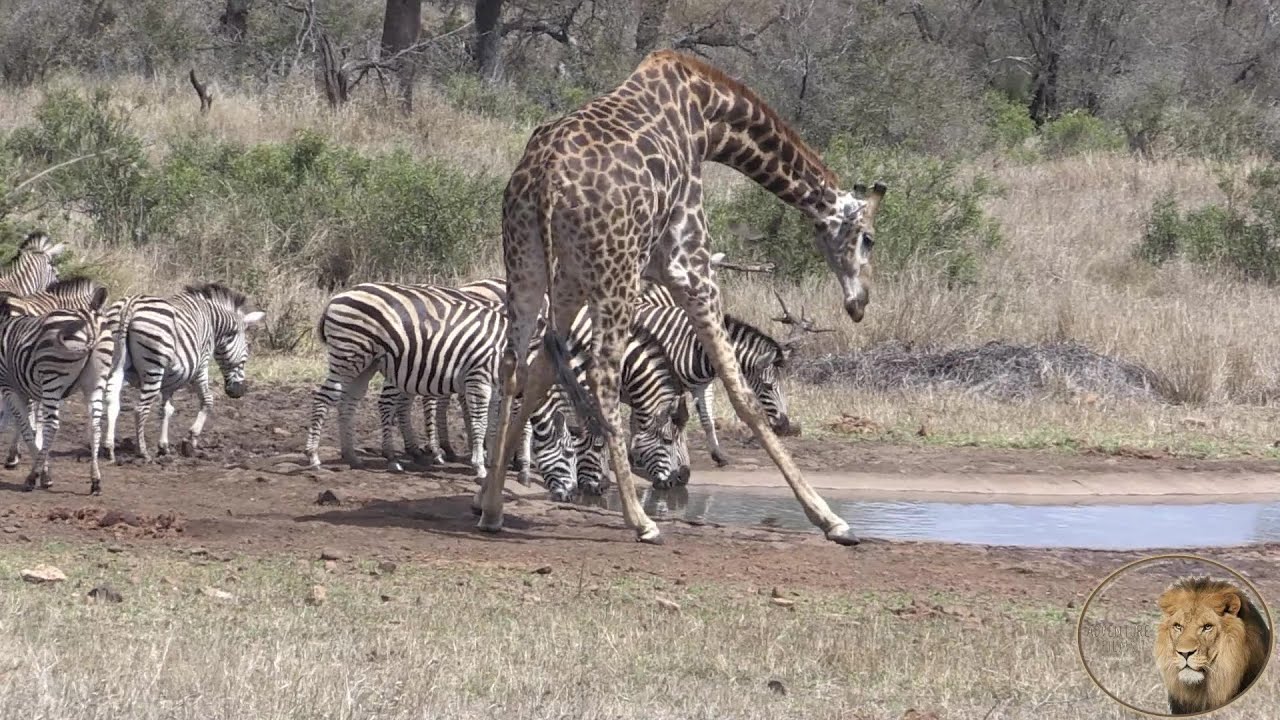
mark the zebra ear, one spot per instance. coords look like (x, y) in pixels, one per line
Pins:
(55, 250)
(254, 317)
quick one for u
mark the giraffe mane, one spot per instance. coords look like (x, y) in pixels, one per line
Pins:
(716, 76)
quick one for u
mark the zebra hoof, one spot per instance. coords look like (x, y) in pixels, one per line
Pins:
(162, 450)
(188, 448)
(591, 487)
(843, 535)
(395, 466)
(95, 487)
(720, 458)
(490, 526)
(11, 462)
(653, 537)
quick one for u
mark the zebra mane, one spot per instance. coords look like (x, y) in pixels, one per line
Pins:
(37, 241)
(218, 293)
(732, 321)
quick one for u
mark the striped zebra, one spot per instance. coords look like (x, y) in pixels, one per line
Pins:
(659, 451)
(71, 294)
(759, 355)
(43, 358)
(32, 270)
(165, 344)
(425, 340)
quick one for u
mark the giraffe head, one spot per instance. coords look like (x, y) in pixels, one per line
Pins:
(845, 236)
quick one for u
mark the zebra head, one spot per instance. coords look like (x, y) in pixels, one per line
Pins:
(554, 449)
(762, 360)
(230, 319)
(659, 451)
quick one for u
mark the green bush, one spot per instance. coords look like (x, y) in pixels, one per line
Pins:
(1009, 122)
(1240, 236)
(1077, 132)
(929, 215)
(105, 168)
(467, 92)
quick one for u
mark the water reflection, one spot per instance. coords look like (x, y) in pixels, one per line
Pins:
(1100, 527)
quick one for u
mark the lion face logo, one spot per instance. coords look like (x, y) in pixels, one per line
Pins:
(1210, 644)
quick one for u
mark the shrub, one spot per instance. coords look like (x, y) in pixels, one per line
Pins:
(1240, 236)
(1077, 132)
(929, 215)
(1009, 122)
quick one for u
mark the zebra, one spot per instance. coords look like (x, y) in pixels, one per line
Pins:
(70, 294)
(425, 340)
(32, 270)
(165, 344)
(43, 358)
(760, 356)
(659, 452)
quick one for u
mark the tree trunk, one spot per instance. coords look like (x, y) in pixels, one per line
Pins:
(400, 27)
(488, 51)
(649, 25)
(234, 21)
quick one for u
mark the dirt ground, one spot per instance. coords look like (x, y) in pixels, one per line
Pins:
(245, 493)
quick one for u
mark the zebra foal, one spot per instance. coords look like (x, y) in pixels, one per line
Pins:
(32, 270)
(165, 344)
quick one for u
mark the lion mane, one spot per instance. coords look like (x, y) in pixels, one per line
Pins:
(1210, 645)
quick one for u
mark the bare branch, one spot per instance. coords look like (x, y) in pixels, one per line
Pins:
(802, 323)
(718, 261)
(206, 98)
(52, 168)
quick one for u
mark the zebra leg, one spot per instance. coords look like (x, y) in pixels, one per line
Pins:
(149, 388)
(11, 460)
(19, 414)
(523, 464)
(44, 441)
(166, 414)
(435, 415)
(206, 401)
(478, 393)
(115, 388)
(393, 409)
(346, 392)
(704, 401)
(442, 419)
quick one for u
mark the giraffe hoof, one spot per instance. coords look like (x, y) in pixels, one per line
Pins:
(843, 535)
(490, 526)
(162, 450)
(654, 538)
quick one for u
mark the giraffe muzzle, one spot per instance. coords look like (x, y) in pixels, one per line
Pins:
(856, 307)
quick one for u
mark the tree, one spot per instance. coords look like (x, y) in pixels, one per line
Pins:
(488, 48)
(234, 21)
(400, 27)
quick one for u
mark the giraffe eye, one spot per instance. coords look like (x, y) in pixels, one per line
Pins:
(867, 241)
(1177, 627)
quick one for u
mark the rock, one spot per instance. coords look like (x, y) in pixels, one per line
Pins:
(666, 604)
(119, 517)
(317, 595)
(328, 497)
(385, 598)
(115, 549)
(776, 593)
(386, 567)
(216, 594)
(105, 593)
(43, 574)
(330, 565)
(281, 432)
(544, 570)
(198, 552)
(332, 554)
(782, 602)
(777, 687)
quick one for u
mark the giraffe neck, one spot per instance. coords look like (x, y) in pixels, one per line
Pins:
(743, 132)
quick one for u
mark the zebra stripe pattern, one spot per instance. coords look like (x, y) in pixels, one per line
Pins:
(760, 357)
(425, 340)
(32, 270)
(72, 294)
(44, 358)
(165, 344)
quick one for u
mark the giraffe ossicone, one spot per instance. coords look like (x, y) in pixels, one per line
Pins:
(612, 192)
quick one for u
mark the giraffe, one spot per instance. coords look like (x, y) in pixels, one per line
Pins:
(611, 195)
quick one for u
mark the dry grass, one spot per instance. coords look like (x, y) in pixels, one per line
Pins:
(464, 641)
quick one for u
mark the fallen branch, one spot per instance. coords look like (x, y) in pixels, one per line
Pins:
(802, 323)
(718, 261)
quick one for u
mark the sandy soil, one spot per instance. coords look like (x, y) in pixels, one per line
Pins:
(244, 493)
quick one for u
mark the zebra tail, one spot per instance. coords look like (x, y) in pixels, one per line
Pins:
(78, 337)
(584, 405)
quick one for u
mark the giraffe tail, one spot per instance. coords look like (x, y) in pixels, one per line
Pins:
(557, 346)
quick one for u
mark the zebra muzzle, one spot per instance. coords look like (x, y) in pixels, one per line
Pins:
(235, 390)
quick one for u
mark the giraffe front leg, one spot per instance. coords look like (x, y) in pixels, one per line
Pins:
(478, 393)
(206, 401)
(700, 299)
(704, 401)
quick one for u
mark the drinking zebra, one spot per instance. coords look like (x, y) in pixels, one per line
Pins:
(166, 343)
(32, 270)
(43, 358)
(759, 355)
(425, 340)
